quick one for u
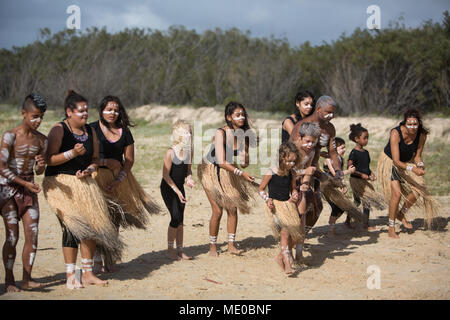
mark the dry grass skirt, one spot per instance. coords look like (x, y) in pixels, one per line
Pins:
(285, 215)
(425, 203)
(129, 203)
(365, 190)
(80, 205)
(228, 190)
(330, 188)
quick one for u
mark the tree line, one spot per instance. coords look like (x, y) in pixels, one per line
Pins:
(380, 71)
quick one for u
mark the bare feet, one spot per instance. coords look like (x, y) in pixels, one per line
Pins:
(213, 251)
(393, 234)
(11, 288)
(183, 256)
(406, 224)
(172, 254)
(279, 261)
(233, 250)
(89, 278)
(287, 264)
(73, 283)
(370, 228)
(30, 285)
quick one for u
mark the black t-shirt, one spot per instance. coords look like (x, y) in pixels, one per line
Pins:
(361, 161)
(280, 186)
(114, 150)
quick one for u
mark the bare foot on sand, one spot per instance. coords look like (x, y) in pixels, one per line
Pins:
(279, 261)
(90, 278)
(183, 256)
(406, 224)
(233, 250)
(30, 285)
(393, 234)
(172, 254)
(11, 287)
(287, 264)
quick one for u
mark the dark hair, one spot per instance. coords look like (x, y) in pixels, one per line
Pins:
(122, 121)
(355, 131)
(36, 100)
(414, 113)
(229, 109)
(339, 141)
(299, 98)
(283, 151)
(72, 98)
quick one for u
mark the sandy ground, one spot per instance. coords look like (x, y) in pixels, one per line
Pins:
(414, 267)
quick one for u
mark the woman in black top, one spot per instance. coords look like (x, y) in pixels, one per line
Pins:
(225, 185)
(401, 169)
(73, 151)
(177, 169)
(304, 106)
(114, 176)
(281, 209)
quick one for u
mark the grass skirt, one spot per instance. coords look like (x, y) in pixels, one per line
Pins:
(425, 203)
(285, 215)
(365, 191)
(129, 204)
(331, 192)
(80, 205)
(228, 190)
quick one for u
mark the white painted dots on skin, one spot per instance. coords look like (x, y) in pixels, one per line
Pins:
(34, 227)
(8, 138)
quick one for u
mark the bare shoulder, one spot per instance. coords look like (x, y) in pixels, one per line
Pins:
(330, 129)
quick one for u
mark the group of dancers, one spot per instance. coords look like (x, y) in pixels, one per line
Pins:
(89, 184)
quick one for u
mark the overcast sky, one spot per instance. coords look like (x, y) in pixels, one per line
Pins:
(297, 20)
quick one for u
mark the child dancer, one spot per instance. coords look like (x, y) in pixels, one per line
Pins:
(309, 203)
(225, 185)
(336, 212)
(22, 150)
(359, 157)
(281, 209)
(177, 168)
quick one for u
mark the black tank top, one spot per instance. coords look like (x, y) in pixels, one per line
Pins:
(77, 163)
(407, 151)
(178, 171)
(280, 186)
(284, 134)
(211, 156)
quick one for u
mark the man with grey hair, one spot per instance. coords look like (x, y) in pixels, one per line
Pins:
(325, 109)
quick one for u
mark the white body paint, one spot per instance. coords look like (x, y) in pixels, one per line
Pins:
(9, 138)
(5, 155)
(11, 217)
(324, 139)
(412, 127)
(32, 255)
(34, 227)
(34, 120)
(239, 118)
(80, 114)
(34, 213)
(10, 264)
(111, 112)
(12, 238)
(328, 116)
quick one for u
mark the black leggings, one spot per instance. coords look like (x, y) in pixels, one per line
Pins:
(68, 239)
(173, 204)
